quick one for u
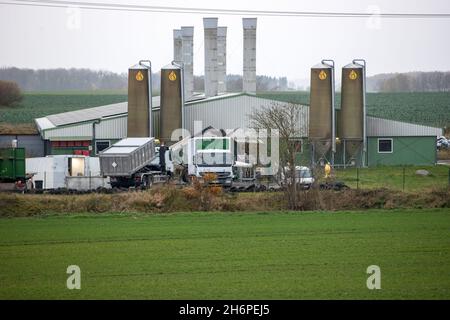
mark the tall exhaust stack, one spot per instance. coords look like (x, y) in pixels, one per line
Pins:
(188, 60)
(139, 100)
(177, 45)
(249, 76)
(210, 29)
(222, 59)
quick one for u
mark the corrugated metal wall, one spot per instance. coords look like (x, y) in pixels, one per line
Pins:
(81, 131)
(405, 151)
(114, 128)
(226, 113)
(233, 112)
(155, 121)
(377, 127)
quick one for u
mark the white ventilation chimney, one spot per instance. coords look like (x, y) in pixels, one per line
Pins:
(222, 59)
(177, 45)
(249, 76)
(188, 60)
(210, 29)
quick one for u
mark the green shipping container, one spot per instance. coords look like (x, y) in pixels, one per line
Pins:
(12, 164)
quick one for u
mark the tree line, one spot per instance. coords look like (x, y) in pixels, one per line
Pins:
(410, 82)
(63, 79)
(87, 79)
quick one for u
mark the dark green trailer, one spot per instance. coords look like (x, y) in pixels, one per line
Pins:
(12, 164)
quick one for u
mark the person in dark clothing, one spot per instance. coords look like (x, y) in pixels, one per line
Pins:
(162, 158)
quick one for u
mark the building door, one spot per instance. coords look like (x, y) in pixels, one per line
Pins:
(76, 167)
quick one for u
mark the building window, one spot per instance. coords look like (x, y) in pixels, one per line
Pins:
(385, 145)
(101, 145)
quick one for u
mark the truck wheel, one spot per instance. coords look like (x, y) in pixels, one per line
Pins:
(185, 176)
(148, 182)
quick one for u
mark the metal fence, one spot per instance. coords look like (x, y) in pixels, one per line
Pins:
(404, 178)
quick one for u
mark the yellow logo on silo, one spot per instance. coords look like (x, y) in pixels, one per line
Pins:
(172, 76)
(353, 75)
(139, 76)
(322, 75)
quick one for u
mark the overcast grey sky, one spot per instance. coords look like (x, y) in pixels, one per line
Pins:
(35, 37)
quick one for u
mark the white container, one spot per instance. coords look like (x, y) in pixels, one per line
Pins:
(67, 171)
(127, 156)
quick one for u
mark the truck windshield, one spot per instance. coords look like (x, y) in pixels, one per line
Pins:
(213, 144)
(213, 159)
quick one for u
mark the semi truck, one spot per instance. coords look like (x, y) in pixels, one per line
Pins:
(198, 156)
(130, 163)
(139, 162)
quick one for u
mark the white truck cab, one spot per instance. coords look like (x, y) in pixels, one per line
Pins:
(201, 155)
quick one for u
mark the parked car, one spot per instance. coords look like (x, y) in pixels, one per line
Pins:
(303, 176)
(443, 143)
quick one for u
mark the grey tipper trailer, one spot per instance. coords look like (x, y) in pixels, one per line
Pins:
(126, 157)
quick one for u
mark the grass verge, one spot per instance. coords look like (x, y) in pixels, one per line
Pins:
(277, 255)
(171, 199)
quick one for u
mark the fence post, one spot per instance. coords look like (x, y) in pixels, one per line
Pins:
(403, 179)
(449, 177)
(357, 178)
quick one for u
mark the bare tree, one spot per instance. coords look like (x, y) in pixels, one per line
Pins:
(286, 118)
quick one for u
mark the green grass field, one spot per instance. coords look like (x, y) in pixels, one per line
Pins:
(228, 256)
(428, 108)
(36, 105)
(391, 177)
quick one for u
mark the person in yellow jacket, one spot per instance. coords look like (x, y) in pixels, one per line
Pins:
(327, 170)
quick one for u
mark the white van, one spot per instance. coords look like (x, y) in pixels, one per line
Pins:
(303, 176)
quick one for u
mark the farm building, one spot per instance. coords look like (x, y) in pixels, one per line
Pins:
(343, 136)
(33, 144)
(89, 131)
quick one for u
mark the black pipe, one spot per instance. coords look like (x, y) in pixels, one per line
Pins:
(96, 121)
